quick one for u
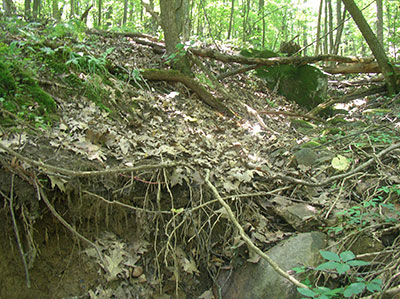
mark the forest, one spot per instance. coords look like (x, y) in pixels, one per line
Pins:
(200, 149)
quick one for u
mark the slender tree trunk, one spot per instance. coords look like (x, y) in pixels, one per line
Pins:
(231, 19)
(261, 13)
(72, 4)
(375, 46)
(330, 27)
(28, 12)
(125, 16)
(318, 43)
(100, 8)
(326, 28)
(340, 21)
(36, 9)
(379, 21)
(54, 8)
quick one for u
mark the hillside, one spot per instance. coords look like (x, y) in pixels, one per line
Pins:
(106, 176)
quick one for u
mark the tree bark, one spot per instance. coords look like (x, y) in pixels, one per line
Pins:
(318, 44)
(376, 48)
(125, 15)
(171, 35)
(379, 21)
(99, 13)
(231, 19)
(28, 12)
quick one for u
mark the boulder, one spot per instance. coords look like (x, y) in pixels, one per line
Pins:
(260, 281)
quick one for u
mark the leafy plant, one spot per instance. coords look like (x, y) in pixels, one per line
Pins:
(341, 263)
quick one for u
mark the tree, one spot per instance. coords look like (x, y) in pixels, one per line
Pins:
(170, 23)
(9, 7)
(375, 46)
(379, 21)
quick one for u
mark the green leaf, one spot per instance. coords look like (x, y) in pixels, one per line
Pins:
(307, 292)
(374, 285)
(329, 255)
(353, 289)
(357, 263)
(328, 265)
(340, 163)
(343, 268)
(347, 256)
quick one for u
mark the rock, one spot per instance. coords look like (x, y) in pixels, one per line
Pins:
(305, 156)
(302, 217)
(306, 85)
(260, 281)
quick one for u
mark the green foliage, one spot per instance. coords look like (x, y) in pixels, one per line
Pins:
(341, 263)
(20, 94)
(73, 28)
(180, 52)
(88, 63)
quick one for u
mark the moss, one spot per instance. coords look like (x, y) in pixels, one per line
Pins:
(7, 82)
(31, 89)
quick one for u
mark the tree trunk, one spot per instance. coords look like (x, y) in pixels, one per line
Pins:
(125, 16)
(379, 21)
(72, 4)
(376, 48)
(326, 29)
(54, 8)
(36, 9)
(330, 27)
(340, 21)
(99, 12)
(261, 13)
(318, 44)
(171, 35)
(28, 12)
(9, 7)
(231, 19)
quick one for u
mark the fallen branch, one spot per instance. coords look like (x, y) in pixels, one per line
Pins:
(247, 240)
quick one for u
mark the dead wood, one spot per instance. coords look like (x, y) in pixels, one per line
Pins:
(176, 76)
(346, 98)
(296, 60)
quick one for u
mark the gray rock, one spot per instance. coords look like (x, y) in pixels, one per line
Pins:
(260, 281)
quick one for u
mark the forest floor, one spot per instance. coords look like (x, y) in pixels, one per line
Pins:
(106, 193)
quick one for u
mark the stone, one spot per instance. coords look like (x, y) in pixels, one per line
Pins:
(260, 281)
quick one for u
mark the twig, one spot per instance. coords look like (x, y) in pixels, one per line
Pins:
(248, 241)
(16, 231)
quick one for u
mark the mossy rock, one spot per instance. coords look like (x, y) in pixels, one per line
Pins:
(306, 85)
